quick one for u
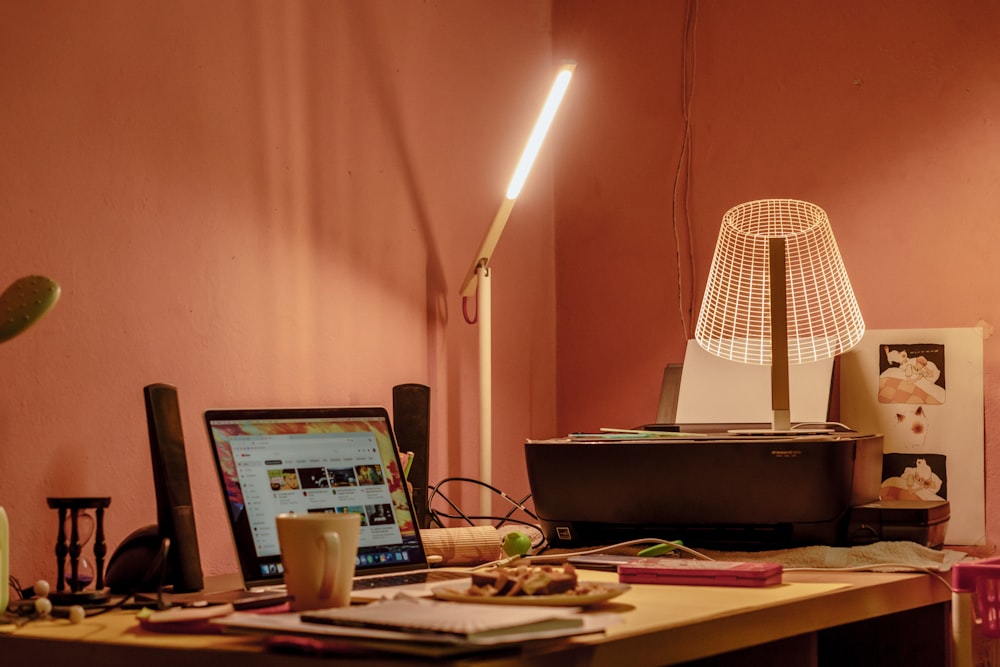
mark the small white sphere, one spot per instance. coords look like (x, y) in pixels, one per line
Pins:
(41, 588)
(77, 614)
(43, 606)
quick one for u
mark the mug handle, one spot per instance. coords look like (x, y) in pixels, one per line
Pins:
(330, 543)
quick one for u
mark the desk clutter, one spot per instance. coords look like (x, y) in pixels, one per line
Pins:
(663, 624)
(501, 607)
(518, 582)
(414, 625)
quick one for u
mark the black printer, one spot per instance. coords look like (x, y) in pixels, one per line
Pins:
(713, 490)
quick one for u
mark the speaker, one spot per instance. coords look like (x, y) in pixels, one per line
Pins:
(129, 568)
(411, 416)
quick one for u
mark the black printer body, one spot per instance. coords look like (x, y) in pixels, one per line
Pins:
(749, 492)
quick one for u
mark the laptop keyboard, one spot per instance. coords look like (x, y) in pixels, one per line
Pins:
(421, 577)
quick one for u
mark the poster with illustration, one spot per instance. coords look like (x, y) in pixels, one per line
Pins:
(923, 391)
(911, 374)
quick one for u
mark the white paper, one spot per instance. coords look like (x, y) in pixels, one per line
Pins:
(292, 623)
(719, 391)
(922, 389)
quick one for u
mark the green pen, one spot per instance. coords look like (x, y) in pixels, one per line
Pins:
(660, 549)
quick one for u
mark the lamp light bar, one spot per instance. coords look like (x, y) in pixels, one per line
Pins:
(534, 144)
(541, 129)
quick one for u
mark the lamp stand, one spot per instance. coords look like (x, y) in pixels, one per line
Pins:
(780, 403)
(484, 312)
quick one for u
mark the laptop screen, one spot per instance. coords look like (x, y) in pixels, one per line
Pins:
(313, 460)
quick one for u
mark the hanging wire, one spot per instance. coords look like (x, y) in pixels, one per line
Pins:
(685, 306)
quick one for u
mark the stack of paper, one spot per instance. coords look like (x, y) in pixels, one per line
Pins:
(450, 622)
(425, 621)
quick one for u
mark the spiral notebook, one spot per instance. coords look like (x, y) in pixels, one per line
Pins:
(462, 622)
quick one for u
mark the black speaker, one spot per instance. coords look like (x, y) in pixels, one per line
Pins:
(133, 564)
(411, 416)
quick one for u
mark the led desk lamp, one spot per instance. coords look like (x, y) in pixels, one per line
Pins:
(778, 293)
(477, 281)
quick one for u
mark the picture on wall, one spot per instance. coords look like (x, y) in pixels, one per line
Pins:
(911, 374)
(922, 390)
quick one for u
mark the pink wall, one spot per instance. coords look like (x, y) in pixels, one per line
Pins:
(273, 203)
(262, 203)
(883, 113)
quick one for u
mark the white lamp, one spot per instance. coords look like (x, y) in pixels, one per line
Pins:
(477, 280)
(778, 293)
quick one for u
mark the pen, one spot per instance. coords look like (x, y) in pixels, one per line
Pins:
(660, 549)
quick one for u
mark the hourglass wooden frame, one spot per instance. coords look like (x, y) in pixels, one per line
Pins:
(70, 546)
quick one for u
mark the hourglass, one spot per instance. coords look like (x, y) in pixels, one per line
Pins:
(80, 526)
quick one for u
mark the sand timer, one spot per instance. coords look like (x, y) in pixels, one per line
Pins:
(76, 527)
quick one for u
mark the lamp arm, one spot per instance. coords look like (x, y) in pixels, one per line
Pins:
(487, 246)
(524, 164)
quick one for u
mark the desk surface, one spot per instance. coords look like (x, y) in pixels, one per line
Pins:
(661, 625)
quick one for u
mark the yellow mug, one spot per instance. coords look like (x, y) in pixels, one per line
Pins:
(318, 551)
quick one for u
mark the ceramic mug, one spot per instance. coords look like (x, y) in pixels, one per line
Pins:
(318, 552)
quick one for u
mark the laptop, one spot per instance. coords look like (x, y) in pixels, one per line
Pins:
(304, 460)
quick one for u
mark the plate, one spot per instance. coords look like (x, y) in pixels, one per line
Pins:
(599, 592)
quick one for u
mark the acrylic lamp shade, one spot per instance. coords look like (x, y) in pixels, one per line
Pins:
(778, 293)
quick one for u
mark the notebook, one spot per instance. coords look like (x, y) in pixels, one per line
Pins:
(306, 460)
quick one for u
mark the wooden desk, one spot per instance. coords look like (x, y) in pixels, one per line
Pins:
(811, 619)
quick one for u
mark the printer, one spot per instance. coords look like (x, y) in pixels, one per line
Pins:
(714, 490)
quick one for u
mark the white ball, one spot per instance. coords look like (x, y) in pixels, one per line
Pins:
(43, 606)
(77, 614)
(41, 588)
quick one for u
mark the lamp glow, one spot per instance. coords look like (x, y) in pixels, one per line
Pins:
(541, 129)
(477, 280)
(528, 155)
(778, 293)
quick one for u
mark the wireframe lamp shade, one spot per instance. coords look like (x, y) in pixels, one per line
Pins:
(823, 318)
